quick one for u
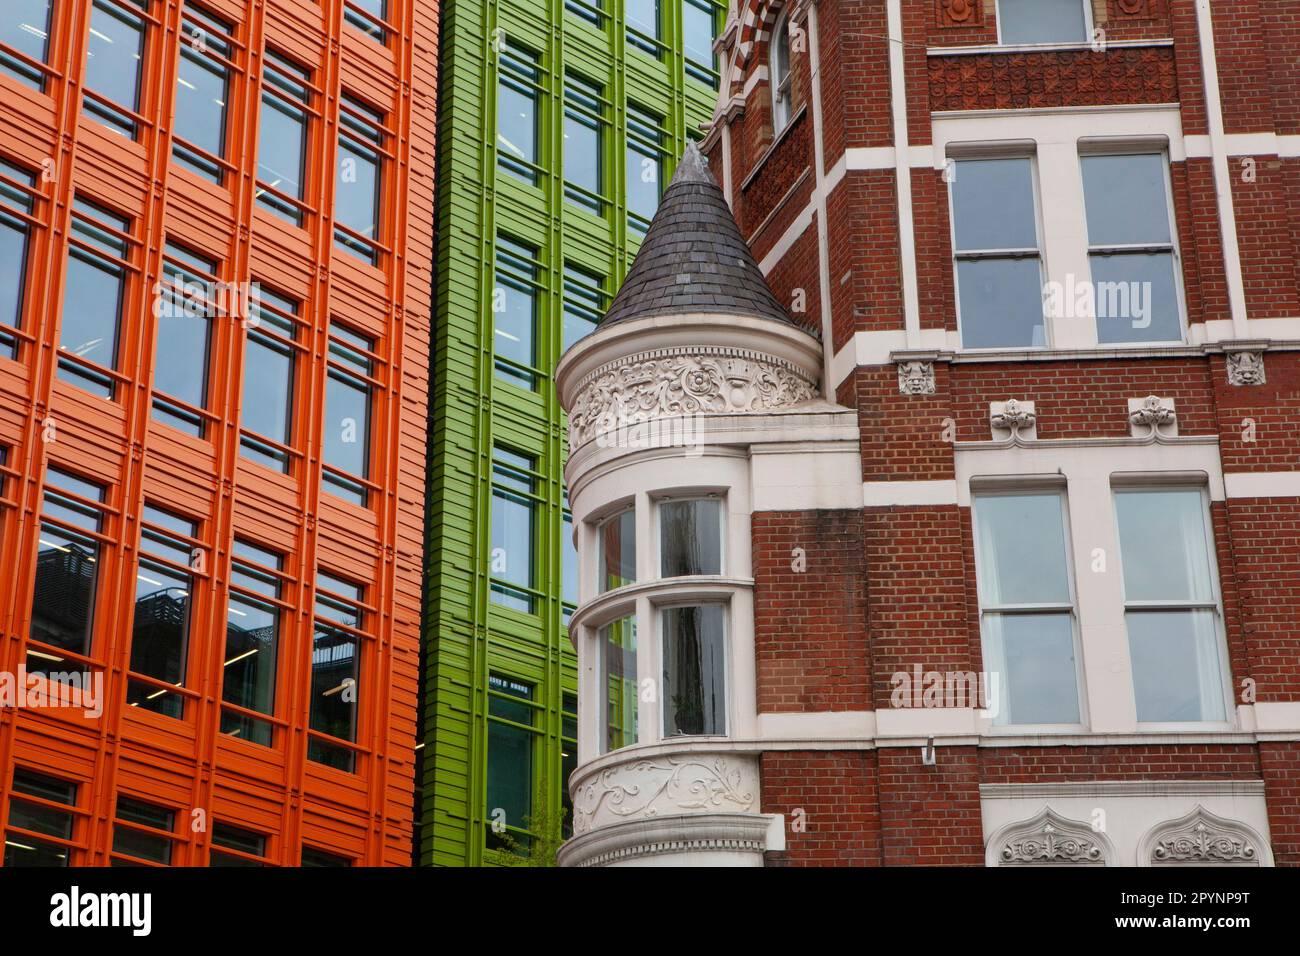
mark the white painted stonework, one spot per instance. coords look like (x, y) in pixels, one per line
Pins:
(1126, 823)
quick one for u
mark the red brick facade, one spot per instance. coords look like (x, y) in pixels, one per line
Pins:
(896, 583)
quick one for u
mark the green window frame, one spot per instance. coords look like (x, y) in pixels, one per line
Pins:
(646, 155)
(518, 301)
(512, 763)
(519, 128)
(515, 551)
(585, 134)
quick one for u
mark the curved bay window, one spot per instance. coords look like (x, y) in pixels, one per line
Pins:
(659, 639)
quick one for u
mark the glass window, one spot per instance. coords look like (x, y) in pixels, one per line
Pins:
(24, 849)
(202, 91)
(694, 655)
(512, 738)
(93, 297)
(518, 79)
(616, 551)
(781, 74)
(1171, 605)
(514, 504)
(314, 857)
(1042, 21)
(67, 566)
(568, 757)
(700, 19)
(1131, 248)
(282, 136)
(643, 25)
(645, 152)
(359, 185)
(114, 57)
(270, 363)
(153, 842)
(617, 641)
(180, 373)
(163, 597)
(26, 29)
(347, 414)
(1026, 608)
(15, 242)
(995, 241)
(569, 563)
(252, 643)
(368, 16)
(514, 313)
(593, 12)
(335, 671)
(585, 301)
(690, 537)
(228, 837)
(584, 127)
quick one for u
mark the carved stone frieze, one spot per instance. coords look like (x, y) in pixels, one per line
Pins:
(674, 382)
(1200, 837)
(1048, 838)
(1056, 78)
(654, 786)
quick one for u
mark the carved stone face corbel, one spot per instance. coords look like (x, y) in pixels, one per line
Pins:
(916, 378)
(1246, 368)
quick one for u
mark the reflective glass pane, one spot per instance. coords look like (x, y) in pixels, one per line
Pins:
(690, 537)
(617, 557)
(1030, 660)
(26, 27)
(993, 205)
(618, 666)
(694, 653)
(1136, 297)
(1176, 665)
(1001, 302)
(1020, 550)
(1164, 545)
(1126, 199)
(1041, 21)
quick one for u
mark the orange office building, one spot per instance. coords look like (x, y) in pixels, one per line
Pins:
(216, 230)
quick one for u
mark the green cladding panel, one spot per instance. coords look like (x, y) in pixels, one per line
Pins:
(533, 237)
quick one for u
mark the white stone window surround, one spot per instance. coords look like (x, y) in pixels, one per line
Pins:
(1087, 30)
(1041, 485)
(1057, 140)
(669, 475)
(1092, 471)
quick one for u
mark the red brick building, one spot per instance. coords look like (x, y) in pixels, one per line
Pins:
(214, 340)
(986, 548)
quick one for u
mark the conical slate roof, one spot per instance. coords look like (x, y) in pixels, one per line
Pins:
(693, 258)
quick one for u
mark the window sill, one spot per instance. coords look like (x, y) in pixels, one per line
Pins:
(1041, 47)
(1097, 353)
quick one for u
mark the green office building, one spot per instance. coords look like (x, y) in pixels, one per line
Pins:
(559, 123)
